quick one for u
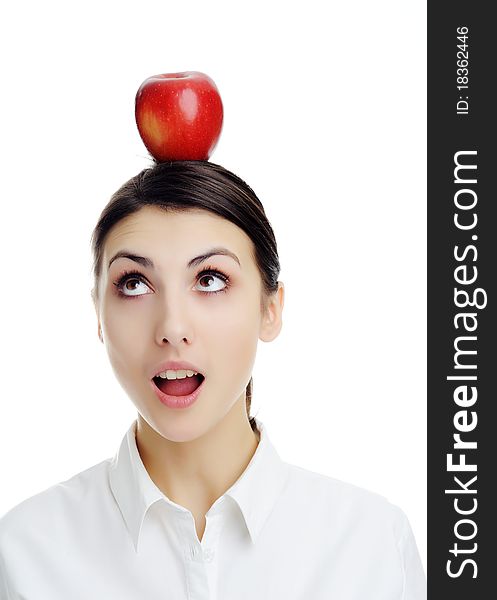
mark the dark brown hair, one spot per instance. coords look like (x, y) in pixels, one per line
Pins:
(191, 185)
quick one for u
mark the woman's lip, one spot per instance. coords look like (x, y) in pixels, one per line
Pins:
(177, 401)
(176, 365)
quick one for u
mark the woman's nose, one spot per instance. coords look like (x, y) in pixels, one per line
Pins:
(173, 323)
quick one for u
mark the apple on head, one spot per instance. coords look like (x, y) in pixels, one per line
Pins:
(179, 115)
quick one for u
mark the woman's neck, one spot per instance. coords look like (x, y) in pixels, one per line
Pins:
(196, 473)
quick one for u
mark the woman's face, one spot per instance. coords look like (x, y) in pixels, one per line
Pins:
(166, 313)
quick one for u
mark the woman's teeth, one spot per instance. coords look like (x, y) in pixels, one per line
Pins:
(170, 374)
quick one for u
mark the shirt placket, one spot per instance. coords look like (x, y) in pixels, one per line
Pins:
(201, 558)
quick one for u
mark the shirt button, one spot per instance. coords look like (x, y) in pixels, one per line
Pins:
(208, 555)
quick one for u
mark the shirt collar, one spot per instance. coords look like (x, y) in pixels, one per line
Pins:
(256, 490)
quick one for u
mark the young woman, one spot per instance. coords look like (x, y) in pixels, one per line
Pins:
(197, 503)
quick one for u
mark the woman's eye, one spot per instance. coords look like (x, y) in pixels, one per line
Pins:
(129, 284)
(208, 278)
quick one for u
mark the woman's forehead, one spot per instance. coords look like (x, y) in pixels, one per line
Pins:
(153, 232)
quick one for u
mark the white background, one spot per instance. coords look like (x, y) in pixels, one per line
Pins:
(324, 117)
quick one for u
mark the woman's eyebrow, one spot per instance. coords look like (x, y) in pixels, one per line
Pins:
(149, 264)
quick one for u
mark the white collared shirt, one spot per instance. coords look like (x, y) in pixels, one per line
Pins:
(280, 532)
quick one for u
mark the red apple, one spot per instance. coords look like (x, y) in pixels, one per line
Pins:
(179, 115)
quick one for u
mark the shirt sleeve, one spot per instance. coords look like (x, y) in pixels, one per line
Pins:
(414, 575)
(4, 590)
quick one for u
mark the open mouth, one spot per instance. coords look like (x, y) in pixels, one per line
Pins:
(179, 387)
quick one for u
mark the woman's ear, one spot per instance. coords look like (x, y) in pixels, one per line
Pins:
(271, 322)
(98, 316)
